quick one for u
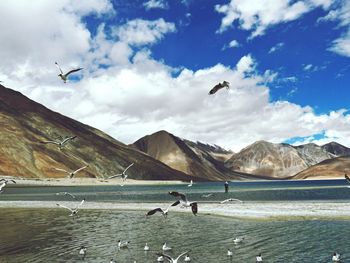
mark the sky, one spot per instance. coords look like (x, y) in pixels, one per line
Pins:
(149, 64)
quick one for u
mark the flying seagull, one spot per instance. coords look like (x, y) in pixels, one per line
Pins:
(75, 210)
(238, 240)
(164, 212)
(170, 259)
(123, 175)
(66, 193)
(64, 77)
(191, 183)
(231, 200)
(71, 174)
(184, 202)
(165, 247)
(219, 86)
(62, 143)
(4, 182)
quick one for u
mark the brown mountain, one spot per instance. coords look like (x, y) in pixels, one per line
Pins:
(197, 159)
(25, 123)
(336, 149)
(331, 168)
(276, 160)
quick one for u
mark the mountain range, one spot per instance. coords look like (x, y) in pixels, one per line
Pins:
(159, 156)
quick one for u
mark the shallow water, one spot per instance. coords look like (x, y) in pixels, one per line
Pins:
(49, 235)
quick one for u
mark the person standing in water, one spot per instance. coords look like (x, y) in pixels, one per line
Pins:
(226, 187)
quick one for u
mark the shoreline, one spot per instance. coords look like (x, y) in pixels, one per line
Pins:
(82, 181)
(296, 210)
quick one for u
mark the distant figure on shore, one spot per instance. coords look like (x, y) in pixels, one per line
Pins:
(336, 257)
(259, 258)
(226, 187)
(82, 252)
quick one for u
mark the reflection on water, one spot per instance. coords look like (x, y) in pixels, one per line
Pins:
(49, 235)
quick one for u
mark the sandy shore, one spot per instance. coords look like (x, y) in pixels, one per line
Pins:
(86, 181)
(248, 210)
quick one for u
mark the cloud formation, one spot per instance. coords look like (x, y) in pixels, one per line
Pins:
(125, 92)
(153, 4)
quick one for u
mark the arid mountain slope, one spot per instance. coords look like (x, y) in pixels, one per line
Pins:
(331, 168)
(336, 149)
(197, 159)
(25, 123)
(276, 160)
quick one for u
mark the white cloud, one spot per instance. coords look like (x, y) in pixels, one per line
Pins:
(276, 47)
(152, 4)
(143, 32)
(341, 45)
(233, 44)
(258, 15)
(136, 95)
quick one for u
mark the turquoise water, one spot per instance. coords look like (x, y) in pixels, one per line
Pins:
(49, 235)
(248, 191)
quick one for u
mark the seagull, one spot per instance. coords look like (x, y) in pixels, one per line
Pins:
(229, 253)
(259, 258)
(123, 174)
(207, 195)
(160, 259)
(71, 174)
(164, 212)
(66, 193)
(184, 202)
(82, 252)
(336, 257)
(238, 240)
(64, 77)
(4, 183)
(146, 248)
(123, 244)
(187, 258)
(62, 143)
(75, 210)
(165, 247)
(170, 259)
(191, 183)
(219, 86)
(231, 200)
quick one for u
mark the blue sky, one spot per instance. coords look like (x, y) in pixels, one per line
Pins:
(148, 65)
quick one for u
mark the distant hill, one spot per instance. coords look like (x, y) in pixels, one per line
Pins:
(24, 123)
(276, 160)
(197, 159)
(336, 149)
(331, 168)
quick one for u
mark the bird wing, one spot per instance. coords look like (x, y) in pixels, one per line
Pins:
(347, 178)
(182, 255)
(81, 168)
(176, 203)
(169, 258)
(224, 201)
(59, 68)
(177, 194)
(45, 142)
(152, 212)
(62, 206)
(13, 181)
(113, 176)
(194, 207)
(2, 186)
(72, 71)
(62, 170)
(80, 204)
(68, 139)
(128, 167)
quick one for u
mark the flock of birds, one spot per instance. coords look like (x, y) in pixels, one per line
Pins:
(182, 200)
